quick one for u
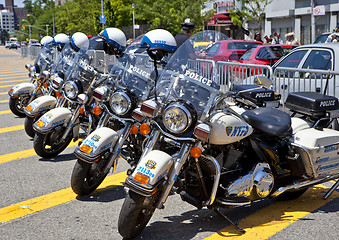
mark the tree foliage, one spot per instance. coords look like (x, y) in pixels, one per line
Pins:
(252, 10)
(169, 14)
(84, 15)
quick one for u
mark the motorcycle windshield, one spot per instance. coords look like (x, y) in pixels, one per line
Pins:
(64, 60)
(134, 72)
(46, 57)
(83, 69)
(188, 76)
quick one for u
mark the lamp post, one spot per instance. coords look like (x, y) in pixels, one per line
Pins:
(47, 29)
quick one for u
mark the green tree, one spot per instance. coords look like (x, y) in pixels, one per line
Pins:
(169, 14)
(39, 15)
(252, 10)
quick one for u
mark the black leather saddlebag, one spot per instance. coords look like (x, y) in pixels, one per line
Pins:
(312, 104)
(258, 96)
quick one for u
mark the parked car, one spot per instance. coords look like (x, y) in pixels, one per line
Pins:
(226, 50)
(322, 38)
(13, 45)
(265, 54)
(323, 56)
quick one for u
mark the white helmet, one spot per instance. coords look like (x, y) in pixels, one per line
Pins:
(79, 40)
(159, 39)
(46, 40)
(60, 39)
(114, 38)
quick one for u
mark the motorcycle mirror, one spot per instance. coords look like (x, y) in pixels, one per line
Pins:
(263, 81)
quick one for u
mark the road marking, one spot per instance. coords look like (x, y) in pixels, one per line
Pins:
(53, 199)
(3, 101)
(5, 112)
(22, 80)
(4, 86)
(20, 76)
(3, 93)
(277, 216)
(25, 153)
(11, 129)
(17, 72)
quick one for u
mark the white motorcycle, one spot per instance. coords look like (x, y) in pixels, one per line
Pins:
(213, 156)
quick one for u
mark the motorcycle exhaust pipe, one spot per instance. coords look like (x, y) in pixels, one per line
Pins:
(299, 185)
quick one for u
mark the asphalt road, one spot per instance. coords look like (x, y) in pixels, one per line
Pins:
(36, 202)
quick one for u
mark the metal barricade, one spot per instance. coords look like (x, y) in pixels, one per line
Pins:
(205, 68)
(230, 73)
(286, 80)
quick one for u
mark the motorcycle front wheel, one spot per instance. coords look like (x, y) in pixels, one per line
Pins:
(50, 145)
(135, 213)
(29, 121)
(86, 177)
(17, 105)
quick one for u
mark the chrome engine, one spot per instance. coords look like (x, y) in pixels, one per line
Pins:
(255, 185)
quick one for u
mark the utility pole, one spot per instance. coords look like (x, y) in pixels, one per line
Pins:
(312, 22)
(47, 29)
(133, 5)
(102, 14)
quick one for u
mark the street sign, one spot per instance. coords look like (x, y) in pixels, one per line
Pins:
(102, 19)
(319, 11)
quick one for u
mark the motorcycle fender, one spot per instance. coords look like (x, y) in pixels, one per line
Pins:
(96, 143)
(21, 89)
(155, 165)
(52, 119)
(40, 105)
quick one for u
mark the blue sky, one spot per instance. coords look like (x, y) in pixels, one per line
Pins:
(19, 3)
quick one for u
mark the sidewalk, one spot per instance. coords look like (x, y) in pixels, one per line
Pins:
(11, 59)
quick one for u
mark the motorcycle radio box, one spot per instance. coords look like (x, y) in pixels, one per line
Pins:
(256, 94)
(312, 104)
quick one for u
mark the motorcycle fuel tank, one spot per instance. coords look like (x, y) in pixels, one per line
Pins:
(227, 128)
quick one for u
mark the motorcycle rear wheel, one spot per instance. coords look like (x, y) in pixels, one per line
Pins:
(29, 121)
(17, 105)
(86, 177)
(290, 195)
(49, 145)
(135, 213)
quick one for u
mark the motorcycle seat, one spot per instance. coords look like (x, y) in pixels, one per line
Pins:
(269, 120)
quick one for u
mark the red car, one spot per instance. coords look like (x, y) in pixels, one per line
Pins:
(226, 50)
(265, 54)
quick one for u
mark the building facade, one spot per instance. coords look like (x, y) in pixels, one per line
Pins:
(7, 20)
(295, 16)
(281, 16)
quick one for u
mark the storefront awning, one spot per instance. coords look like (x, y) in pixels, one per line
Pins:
(219, 19)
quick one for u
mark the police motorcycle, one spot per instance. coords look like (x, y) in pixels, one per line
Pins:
(56, 128)
(133, 78)
(219, 157)
(22, 94)
(55, 78)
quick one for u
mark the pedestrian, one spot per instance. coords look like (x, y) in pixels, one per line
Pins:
(291, 40)
(186, 32)
(331, 38)
(268, 40)
(276, 38)
(257, 37)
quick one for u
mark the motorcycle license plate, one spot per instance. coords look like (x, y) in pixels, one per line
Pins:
(40, 123)
(86, 149)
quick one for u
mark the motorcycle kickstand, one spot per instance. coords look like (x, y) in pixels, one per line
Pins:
(230, 221)
(329, 192)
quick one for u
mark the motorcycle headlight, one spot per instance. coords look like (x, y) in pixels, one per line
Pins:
(177, 118)
(120, 103)
(71, 90)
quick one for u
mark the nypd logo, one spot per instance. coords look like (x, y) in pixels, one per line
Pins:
(150, 164)
(95, 138)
